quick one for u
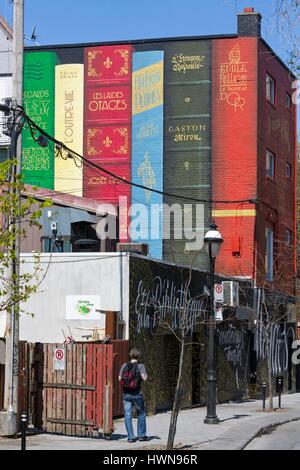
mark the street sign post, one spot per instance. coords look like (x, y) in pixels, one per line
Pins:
(218, 312)
(59, 359)
(219, 293)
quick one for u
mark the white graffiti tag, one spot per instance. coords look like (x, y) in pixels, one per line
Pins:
(166, 298)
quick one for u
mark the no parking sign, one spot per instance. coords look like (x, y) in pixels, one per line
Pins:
(59, 359)
(219, 293)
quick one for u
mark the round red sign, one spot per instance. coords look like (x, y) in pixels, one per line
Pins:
(59, 354)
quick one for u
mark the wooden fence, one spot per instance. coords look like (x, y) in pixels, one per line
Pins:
(72, 389)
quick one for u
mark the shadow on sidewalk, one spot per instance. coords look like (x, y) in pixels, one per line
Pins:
(117, 437)
(234, 417)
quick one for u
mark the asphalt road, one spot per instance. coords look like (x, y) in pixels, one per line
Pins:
(284, 437)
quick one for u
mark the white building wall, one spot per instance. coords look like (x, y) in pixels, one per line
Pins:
(73, 274)
(6, 52)
(5, 78)
(5, 92)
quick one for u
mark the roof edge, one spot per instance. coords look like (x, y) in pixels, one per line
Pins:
(4, 25)
(132, 41)
(278, 58)
(155, 40)
(66, 200)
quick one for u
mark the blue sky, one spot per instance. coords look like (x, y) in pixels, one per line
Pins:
(75, 21)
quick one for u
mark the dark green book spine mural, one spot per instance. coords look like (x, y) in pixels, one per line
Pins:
(39, 93)
(187, 145)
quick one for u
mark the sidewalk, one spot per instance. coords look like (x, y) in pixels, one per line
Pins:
(239, 424)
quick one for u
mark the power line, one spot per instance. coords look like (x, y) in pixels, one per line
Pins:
(91, 164)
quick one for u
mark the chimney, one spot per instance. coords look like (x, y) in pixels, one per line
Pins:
(249, 23)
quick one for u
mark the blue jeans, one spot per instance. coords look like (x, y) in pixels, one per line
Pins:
(137, 400)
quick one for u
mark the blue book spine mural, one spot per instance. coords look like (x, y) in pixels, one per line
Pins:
(147, 150)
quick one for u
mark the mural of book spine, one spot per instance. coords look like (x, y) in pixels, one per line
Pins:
(107, 124)
(69, 126)
(147, 149)
(187, 149)
(39, 89)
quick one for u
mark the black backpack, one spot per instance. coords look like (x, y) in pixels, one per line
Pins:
(131, 378)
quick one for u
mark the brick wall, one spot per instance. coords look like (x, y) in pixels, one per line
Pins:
(276, 132)
(245, 126)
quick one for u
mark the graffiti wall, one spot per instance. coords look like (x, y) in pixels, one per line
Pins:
(158, 296)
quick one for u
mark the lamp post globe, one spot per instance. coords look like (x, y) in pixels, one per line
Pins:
(212, 241)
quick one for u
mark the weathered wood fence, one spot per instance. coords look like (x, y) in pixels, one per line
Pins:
(72, 389)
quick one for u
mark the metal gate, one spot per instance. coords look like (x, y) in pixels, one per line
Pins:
(72, 389)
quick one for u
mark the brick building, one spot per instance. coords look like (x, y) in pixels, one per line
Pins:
(209, 118)
(223, 129)
(254, 157)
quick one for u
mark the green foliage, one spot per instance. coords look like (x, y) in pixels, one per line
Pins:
(17, 213)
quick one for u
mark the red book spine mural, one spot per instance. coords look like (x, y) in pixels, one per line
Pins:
(234, 130)
(107, 122)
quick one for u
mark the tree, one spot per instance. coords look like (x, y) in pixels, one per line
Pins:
(15, 287)
(298, 236)
(272, 337)
(288, 25)
(271, 314)
(184, 331)
(284, 18)
(180, 321)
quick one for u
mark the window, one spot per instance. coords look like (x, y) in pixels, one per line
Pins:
(270, 89)
(288, 172)
(269, 254)
(288, 237)
(270, 165)
(288, 101)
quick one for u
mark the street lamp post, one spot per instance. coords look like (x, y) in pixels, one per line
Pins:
(212, 241)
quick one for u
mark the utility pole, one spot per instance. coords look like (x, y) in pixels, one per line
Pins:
(8, 418)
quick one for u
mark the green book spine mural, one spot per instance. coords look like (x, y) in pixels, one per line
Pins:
(39, 93)
(187, 143)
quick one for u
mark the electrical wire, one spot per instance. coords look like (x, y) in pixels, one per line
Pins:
(93, 165)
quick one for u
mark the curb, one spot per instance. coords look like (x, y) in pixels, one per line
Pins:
(264, 429)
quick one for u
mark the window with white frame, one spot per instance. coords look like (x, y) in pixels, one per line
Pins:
(269, 254)
(270, 89)
(270, 164)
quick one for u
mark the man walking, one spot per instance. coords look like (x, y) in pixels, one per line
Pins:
(131, 376)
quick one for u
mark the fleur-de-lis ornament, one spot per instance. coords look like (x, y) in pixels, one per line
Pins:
(107, 142)
(107, 63)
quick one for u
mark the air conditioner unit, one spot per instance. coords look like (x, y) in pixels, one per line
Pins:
(140, 248)
(231, 293)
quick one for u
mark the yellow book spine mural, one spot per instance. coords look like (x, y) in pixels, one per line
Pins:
(69, 125)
